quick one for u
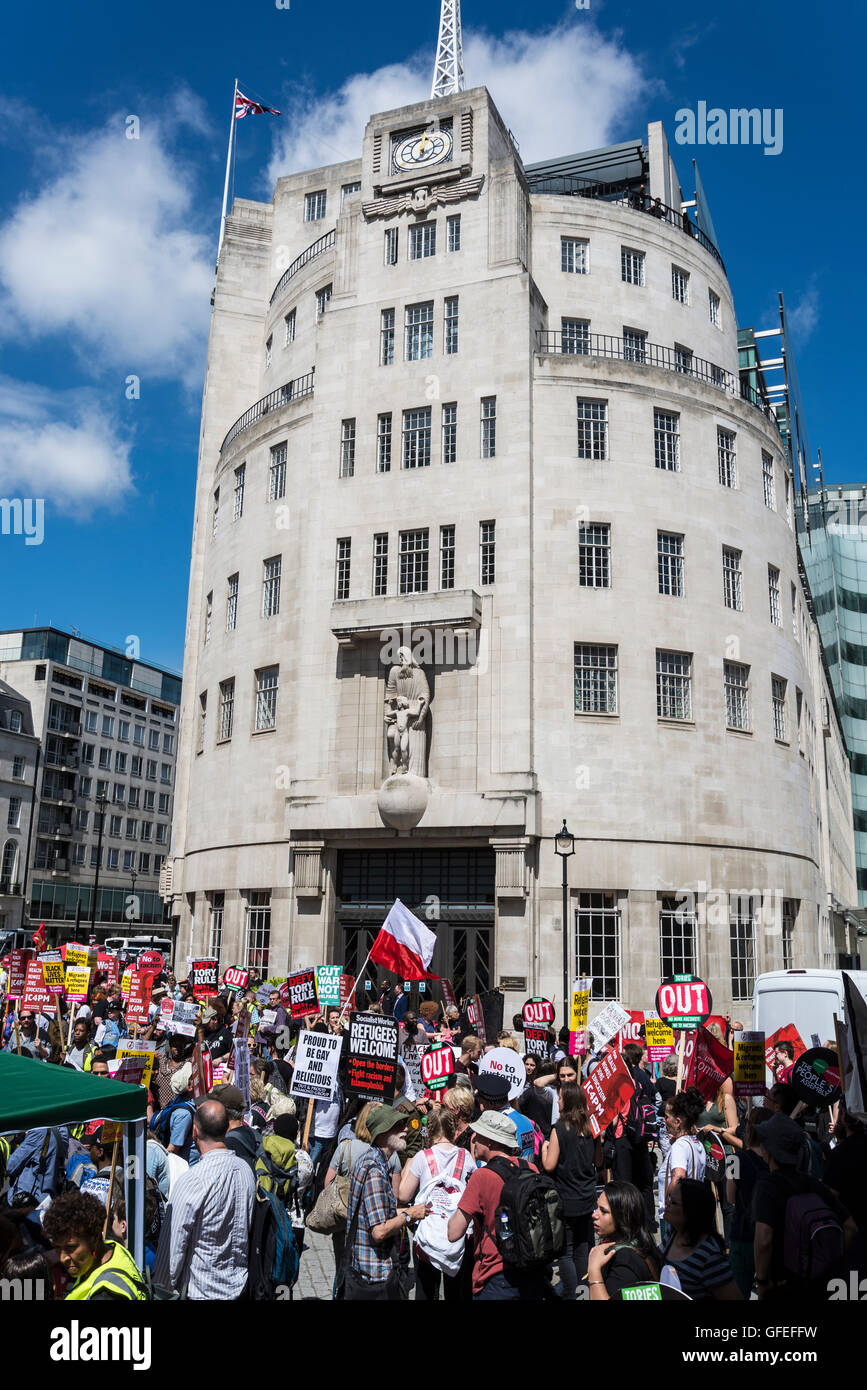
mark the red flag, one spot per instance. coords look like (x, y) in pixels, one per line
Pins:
(246, 106)
(710, 1065)
(38, 937)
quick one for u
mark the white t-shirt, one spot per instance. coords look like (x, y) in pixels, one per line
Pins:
(443, 1154)
(686, 1152)
(326, 1118)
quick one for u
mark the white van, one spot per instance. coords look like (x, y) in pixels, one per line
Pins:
(807, 998)
(134, 945)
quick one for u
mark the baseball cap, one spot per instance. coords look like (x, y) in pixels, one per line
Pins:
(498, 1128)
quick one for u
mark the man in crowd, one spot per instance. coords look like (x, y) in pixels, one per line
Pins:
(784, 1060)
(101, 1269)
(471, 1054)
(492, 1094)
(240, 1138)
(204, 1238)
(35, 1169)
(374, 1225)
(80, 1054)
(33, 1043)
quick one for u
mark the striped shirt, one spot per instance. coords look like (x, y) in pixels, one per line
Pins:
(705, 1270)
(206, 1231)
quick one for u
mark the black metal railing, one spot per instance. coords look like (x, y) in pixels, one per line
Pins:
(292, 391)
(576, 344)
(624, 195)
(322, 244)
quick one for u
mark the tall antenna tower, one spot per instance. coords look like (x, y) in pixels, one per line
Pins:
(449, 66)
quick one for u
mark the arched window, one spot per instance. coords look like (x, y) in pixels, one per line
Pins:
(7, 870)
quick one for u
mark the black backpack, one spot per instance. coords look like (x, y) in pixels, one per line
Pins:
(275, 1251)
(160, 1123)
(528, 1223)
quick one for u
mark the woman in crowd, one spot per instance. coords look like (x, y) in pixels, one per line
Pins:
(460, 1100)
(686, 1157)
(625, 1254)
(538, 1104)
(740, 1194)
(693, 1248)
(573, 1156)
(441, 1156)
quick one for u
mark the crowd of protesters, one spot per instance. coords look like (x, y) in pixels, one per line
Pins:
(431, 1194)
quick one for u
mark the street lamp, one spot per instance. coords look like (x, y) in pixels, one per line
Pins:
(564, 845)
(101, 802)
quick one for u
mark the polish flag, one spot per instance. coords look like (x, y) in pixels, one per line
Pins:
(404, 945)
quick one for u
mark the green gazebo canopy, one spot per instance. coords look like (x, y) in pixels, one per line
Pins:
(35, 1094)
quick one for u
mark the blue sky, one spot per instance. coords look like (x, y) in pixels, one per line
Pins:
(107, 244)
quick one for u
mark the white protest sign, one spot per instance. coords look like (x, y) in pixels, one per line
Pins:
(186, 1030)
(608, 1024)
(502, 1061)
(316, 1063)
(242, 1070)
(411, 1059)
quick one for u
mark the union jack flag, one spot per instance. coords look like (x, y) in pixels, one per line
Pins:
(246, 106)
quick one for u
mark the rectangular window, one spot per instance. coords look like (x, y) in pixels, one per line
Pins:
(673, 685)
(105, 758)
(450, 432)
(344, 559)
(574, 255)
(120, 762)
(386, 338)
(91, 719)
(595, 679)
(487, 552)
(594, 555)
(162, 834)
(592, 429)
(634, 345)
(450, 336)
(597, 942)
(154, 740)
(390, 253)
(737, 692)
(669, 563)
(128, 860)
(732, 578)
(677, 938)
(794, 615)
(453, 230)
(575, 336)
(419, 331)
(679, 285)
(768, 489)
(383, 443)
(166, 774)
(108, 726)
(257, 930)
(380, 564)
(115, 826)
(227, 709)
(119, 792)
(489, 426)
(18, 765)
(323, 299)
(713, 303)
(267, 685)
(95, 857)
(151, 766)
(415, 452)
(240, 482)
(790, 912)
(346, 190)
(131, 829)
(144, 863)
(216, 516)
(347, 448)
(447, 557)
(203, 719)
(666, 440)
(215, 925)
(147, 830)
(133, 798)
(780, 709)
(413, 562)
(271, 586)
(88, 753)
(727, 457)
(789, 516)
(422, 240)
(231, 603)
(277, 473)
(268, 352)
(631, 266)
(742, 942)
(314, 206)
(682, 359)
(138, 736)
(774, 596)
(113, 857)
(163, 802)
(209, 613)
(13, 815)
(289, 322)
(123, 730)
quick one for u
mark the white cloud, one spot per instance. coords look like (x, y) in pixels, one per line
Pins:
(803, 315)
(105, 253)
(59, 445)
(561, 91)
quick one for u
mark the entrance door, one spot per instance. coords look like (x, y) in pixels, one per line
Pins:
(468, 955)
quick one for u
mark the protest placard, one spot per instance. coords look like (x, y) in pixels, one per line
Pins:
(502, 1061)
(204, 977)
(632, 1032)
(268, 1018)
(659, 1038)
(18, 962)
(236, 978)
(138, 1008)
(242, 1069)
(142, 1050)
(476, 1017)
(316, 1062)
(608, 1024)
(242, 1023)
(85, 957)
(537, 1010)
(749, 1072)
(684, 1001)
(579, 1007)
(132, 1070)
(437, 1065)
(76, 983)
(373, 1042)
(536, 1040)
(710, 1064)
(347, 992)
(52, 970)
(167, 1008)
(35, 997)
(300, 997)
(788, 1033)
(449, 999)
(125, 981)
(815, 1077)
(111, 966)
(410, 1057)
(328, 985)
(609, 1090)
(185, 1011)
(151, 960)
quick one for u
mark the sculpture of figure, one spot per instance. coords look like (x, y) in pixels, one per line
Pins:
(407, 700)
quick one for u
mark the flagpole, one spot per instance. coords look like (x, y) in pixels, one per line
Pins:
(357, 978)
(228, 170)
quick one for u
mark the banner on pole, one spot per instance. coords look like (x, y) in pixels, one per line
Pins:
(609, 1090)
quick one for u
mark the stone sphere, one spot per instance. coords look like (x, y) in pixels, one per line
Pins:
(402, 800)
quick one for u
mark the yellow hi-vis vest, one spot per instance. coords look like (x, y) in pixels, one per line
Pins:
(118, 1277)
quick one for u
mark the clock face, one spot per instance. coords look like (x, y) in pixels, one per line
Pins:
(421, 149)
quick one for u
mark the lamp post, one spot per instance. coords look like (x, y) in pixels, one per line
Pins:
(101, 802)
(564, 845)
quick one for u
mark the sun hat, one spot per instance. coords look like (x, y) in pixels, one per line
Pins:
(498, 1128)
(384, 1118)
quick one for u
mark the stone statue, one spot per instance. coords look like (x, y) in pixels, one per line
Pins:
(407, 700)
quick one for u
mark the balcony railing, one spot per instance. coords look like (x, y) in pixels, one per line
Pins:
(292, 391)
(324, 243)
(652, 355)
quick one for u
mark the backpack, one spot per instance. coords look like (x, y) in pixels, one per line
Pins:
(528, 1223)
(160, 1124)
(642, 1122)
(812, 1236)
(275, 1257)
(715, 1158)
(443, 1189)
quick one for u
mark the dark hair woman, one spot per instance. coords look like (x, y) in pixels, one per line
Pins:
(625, 1254)
(686, 1158)
(573, 1156)
(694, 1250)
